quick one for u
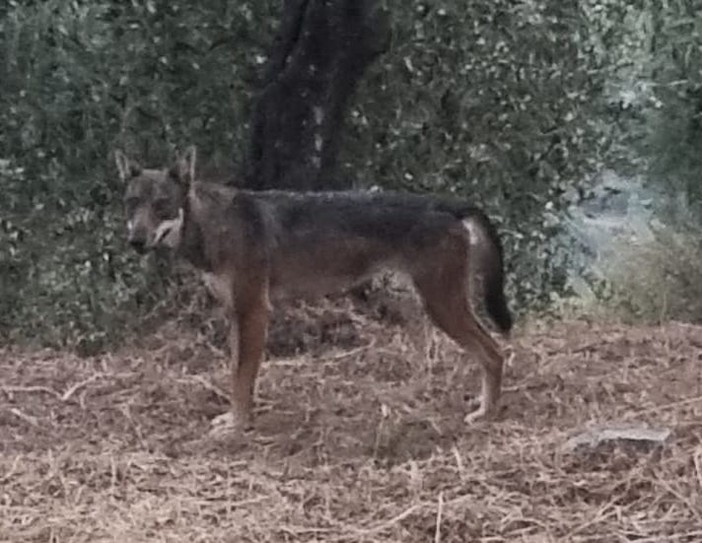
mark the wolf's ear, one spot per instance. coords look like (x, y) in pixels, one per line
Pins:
(126, 167)
(189, 161)
(184, 168)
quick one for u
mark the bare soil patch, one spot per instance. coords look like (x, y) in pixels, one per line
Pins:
(363, 441)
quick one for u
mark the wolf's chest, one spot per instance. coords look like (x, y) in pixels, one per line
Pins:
(220, 286)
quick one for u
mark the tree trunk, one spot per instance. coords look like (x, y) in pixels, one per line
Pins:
(320, 53)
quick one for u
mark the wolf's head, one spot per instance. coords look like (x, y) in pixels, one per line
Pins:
(154, 200)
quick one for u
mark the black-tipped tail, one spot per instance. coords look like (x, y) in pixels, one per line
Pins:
(496, 303)
(492, 270)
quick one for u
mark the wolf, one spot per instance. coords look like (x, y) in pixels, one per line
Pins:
(257, 247)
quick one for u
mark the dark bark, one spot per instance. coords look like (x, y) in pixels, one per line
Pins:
(319, 55)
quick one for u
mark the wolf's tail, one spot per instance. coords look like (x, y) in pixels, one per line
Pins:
(487, 253)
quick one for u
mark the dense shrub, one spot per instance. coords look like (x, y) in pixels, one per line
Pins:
(502, 102)
(78, 79)
(655, 280)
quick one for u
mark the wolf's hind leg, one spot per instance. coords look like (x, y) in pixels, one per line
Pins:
(444, 291)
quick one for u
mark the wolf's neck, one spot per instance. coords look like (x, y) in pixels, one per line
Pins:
(192, 245)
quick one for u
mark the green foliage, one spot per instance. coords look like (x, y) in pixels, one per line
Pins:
(78, 79)
(656, 280)
(675, 135)
(656, 50)
(79, 75)
(62, 283)
(499, 101)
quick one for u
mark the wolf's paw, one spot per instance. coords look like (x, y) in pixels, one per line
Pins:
(228, 424)
(478, 415)
(483, 413)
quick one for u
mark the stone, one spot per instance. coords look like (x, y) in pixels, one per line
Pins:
(639, 437)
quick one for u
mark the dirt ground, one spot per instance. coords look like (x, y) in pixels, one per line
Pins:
(364, 441)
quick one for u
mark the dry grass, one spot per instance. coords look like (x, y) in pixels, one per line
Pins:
(657, 279)
(365, 444)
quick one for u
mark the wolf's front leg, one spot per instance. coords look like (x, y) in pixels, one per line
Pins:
(231, 419)
(253, 329)
(247, 340)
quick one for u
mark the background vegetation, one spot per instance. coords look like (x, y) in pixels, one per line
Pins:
(517, 104)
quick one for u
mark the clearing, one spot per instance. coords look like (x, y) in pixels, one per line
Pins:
(355, 443)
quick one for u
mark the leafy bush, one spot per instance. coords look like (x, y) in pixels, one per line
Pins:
(500, 102)
(654, 280)
(78, 79)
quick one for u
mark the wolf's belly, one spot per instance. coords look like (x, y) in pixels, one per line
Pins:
(289, 284)
(315, 275)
